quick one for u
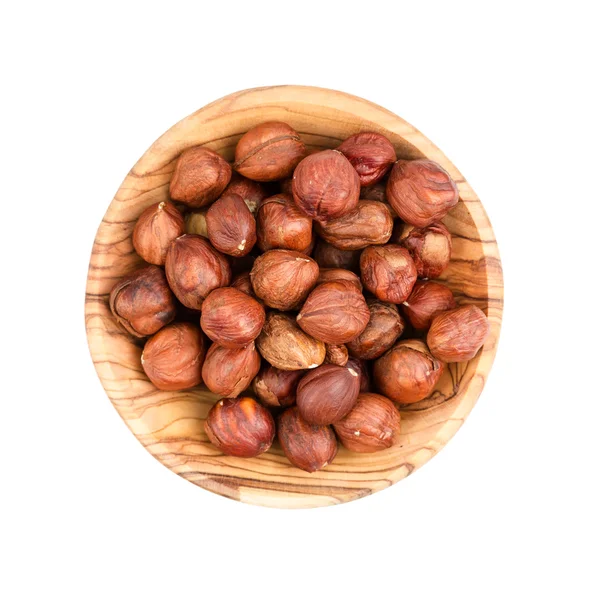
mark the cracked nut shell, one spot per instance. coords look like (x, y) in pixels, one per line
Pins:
(280, 224)
(427, 299)
(229, 371)
(430, 248)
(370, 154)
(231, 228)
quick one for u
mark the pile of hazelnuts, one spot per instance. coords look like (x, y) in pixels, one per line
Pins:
(306, 259)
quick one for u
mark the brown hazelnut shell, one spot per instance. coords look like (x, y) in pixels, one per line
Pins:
(229, 371)
(280, 224)
(327, 275)
(307, 447)
(427, 299)
(336, 354)
(240, 427)
(173, 358)
(370, 154)
(376, 192)
(200, 176)
(231, 228)
(275, 387)
(329, 257)
(250, 191)
(360, 367)
(142, 302)
(430, 248)
(242, 282)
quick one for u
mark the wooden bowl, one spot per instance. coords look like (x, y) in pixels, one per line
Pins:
(170, 424)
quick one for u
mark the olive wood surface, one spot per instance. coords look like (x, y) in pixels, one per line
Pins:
(170, 424)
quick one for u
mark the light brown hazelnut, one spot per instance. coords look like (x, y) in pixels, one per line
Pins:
(408, 372)
(336, 354)
(194, 268)
(328, 393)
(200, 176)
(195, 222)
(229, 371)
(372, 425)
(157, 226)
(427, 299)
(369, 223)
(329, 257)
(307, 447)
(283, 344)
(388, 272)
(360, 367)
(457, 335)
(371, 155)
(142, 302)
(240, 427)
(231, 228)
(280, 224)
(325, 185)
(231, 318)
(275, 387)
(430, 248)
(384, 328)
(420, 191)
(334, 313)
(283, 278)
(172, 359)
(269, 151)
(327, 275)
(250, 191)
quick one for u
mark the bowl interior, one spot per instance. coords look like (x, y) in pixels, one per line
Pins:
(170, 424)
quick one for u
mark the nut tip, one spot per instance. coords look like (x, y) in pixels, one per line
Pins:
(353, 372)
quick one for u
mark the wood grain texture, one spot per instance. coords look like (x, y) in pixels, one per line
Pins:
(170, 424)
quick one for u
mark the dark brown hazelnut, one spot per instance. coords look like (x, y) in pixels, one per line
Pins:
(231, 228)
(283, 344)
(360, 367)
(372, 425)
(327, 275)
(369, 223)
(240, 427)
(420, 191)
(430, 248)
(269, 151)
(173, 358)
(285, 186)
(283, 278)
(457, 335)
(334, 312)
(281, 224)
(142, 302)
(325, 185)
(242, 282)
(229, 371)
(371, 155)
(384, 328)
(388, 272)
(231, 318)
(328, 393)
(194, 268)
(376, 192)
(275, 387)
(242, 264)
(336, 354)
(157, 226)
(427, 299)
(408, 372)
(250, 191)
(329, 257)
(195, 222)
(307, 447)
(200, 176)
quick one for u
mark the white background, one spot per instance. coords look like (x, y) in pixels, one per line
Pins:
(503, 510)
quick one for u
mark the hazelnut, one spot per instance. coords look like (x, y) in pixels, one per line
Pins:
(231, 228)
(371, 155)
(327, 394)
(420, 191)
(195, 222)
(229, 371)
(334, 313)
(408, 372)
(250, 191)
(327, 275)
(336, 354)
(372, 425)
(307, 447)
(310, 247)
(240, 427)
(269, 151)
(142, 302)
(275, 387)
(194, 268)
(369, 223)
(200, 176)
(283, 278)
(376, 192)
(360, 367)
(384, 328)
(231, 318)
(280, 224)
(157, 226)
(388, 272)
(173, 358)
(242, 282)
(430, 248)
(329, 257)
(457, 335)
(325, 185)
(427, 299)
(285, 186)
(283, 344)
